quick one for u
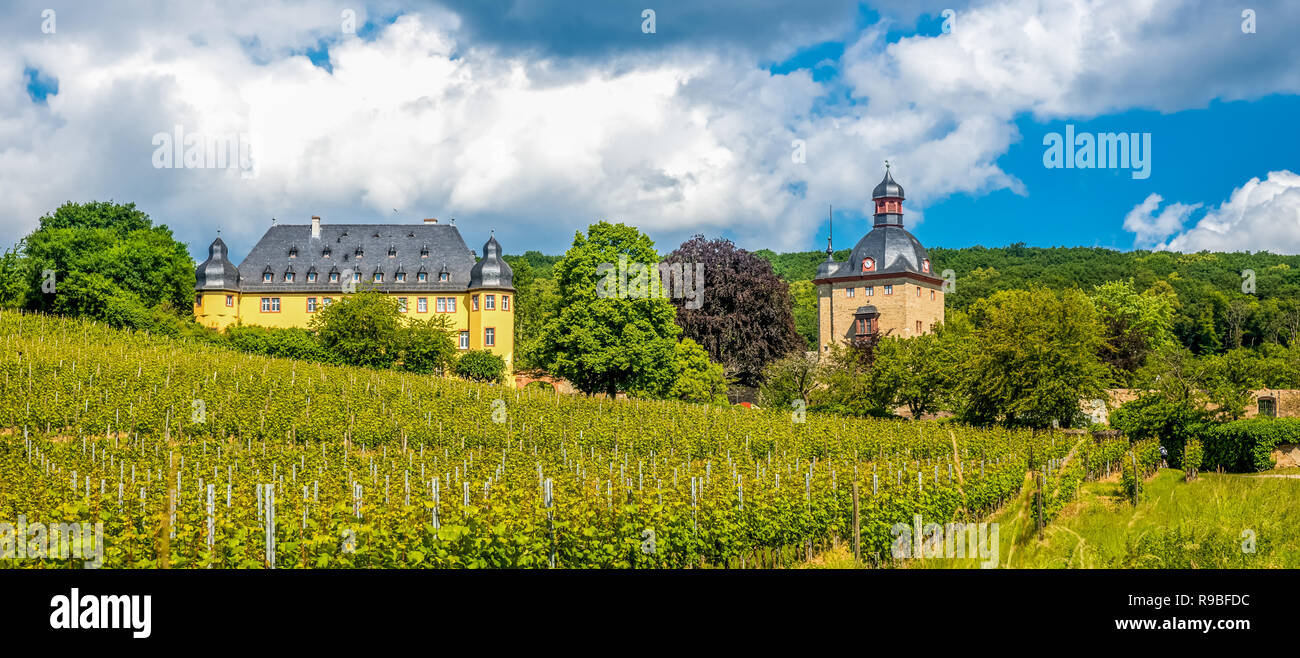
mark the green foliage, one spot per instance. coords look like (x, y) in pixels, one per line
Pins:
(287, 343)
(1173, 423)
(1247, 445)
(847, 387)
(428, 346)
(920, 373)
(693, 378)
(360, 329)
(1036, 357)
(1192, 456)
(535, 300)
(481, 366)
(113, 258)
(1134, 324)
(604, 341)
(788, 379)
(804, 296)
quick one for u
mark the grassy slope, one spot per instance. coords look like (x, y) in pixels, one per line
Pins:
(1102, 530)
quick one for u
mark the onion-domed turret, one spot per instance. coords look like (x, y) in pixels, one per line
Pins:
(217, 272)
(887, 188)
(492, 271)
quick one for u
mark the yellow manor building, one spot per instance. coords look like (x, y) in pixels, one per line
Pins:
(295, 270)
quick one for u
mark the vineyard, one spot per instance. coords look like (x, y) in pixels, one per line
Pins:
(193, 456)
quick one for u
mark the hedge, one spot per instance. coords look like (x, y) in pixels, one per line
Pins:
(1247, 445)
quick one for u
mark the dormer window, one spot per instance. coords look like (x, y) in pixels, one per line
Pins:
(266, 277)
(311, 277)
(379, 277)
(400, 277)
(359, 252)
(325, 253)
(334, 277)
(424, 251)
(356, 277)
(444, 277)
(422, 277)
(293, 252)
(392, 251)
(288, 277)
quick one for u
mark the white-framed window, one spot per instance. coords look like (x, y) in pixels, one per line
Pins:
(230, 300)
(490, 302)
(441, 304)
(422, 305)
(848, 292)
(889, 290)
(311, 304)
(270, 304)
(451, 304)
(327, 301)
(505, 302)
(473, 302)
(489, 337)
(401, 304)
(869, 291)
(464, 340)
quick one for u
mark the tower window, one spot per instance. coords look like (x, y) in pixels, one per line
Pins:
(505, 302)
(473, 302)
(464, 340)
(889, 290)
(918, 291)
(918, 326)
(869, 291)
(198, 300)
(490, 302)
(848, 292)
(931, 295)
(230, 300)
(489, 337)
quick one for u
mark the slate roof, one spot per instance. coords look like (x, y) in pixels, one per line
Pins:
(446, 251)
(492, 271)
(890, 246)
(217, 272)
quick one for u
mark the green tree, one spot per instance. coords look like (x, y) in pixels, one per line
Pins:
(427, 346)
(535, 300)
(788, 379)
(106, 250)
(1134, 324)
(609, 334)
(1036, 357)
(918, 372)
(693, 377)
(804, 295)
(481, 366)
(360, 329)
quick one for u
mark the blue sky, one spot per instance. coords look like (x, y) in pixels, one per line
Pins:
(537, 117)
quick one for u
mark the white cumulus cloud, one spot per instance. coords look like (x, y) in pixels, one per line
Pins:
(1261, 215)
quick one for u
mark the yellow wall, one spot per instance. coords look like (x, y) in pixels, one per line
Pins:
(247, 310)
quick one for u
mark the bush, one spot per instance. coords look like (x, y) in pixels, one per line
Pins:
(1152, 416)
(1247, 445)
(481, 366)
(1192, 458)
(286, 343)
(427, 346)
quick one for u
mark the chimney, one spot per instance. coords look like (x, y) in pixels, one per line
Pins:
(430, 220)
(315, 227)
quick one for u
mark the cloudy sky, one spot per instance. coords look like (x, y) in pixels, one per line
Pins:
(739, 118)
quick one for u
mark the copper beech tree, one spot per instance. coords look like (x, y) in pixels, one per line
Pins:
(744, 321)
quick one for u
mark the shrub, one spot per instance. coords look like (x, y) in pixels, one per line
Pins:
(286, 343)
(427, 346)
(1192, 458)
(481, 366)
(1247, 445)
(1152, 416)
